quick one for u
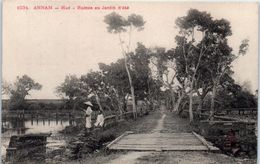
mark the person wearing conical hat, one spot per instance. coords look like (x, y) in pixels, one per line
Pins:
(88, 113)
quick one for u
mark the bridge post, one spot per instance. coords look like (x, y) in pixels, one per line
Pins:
(37, 117)
(56, 118)
(31, 118)
(49, 118)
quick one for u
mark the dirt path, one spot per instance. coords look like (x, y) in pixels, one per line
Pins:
(159, 126)
(131, 157)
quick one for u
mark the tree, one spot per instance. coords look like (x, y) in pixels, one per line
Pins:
(6, 87)
(117, 25)
(116, 77)
(147, 86)
(203, 86)
(139, 62)
(190, 50)
(208, 56)
(71, 89)
(165, 71)
(20, 89)
(231, 95)
(93, 83)
(220, 62)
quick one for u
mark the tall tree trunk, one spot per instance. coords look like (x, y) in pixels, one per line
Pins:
(212, 104)
(73, 104)
(133, 101)
(190, 106)
(125, 103)
(98, 102)
(177, 105)
(151, 105)
(132, 88)
(119, 104)
(200, 104)
(172, 99)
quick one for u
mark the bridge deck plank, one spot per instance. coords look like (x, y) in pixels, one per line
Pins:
(159, 142)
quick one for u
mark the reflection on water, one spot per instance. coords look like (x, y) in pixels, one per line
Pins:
(20, 126)
(40, 126)
(50, 126)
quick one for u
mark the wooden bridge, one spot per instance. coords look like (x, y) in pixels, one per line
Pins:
(161, 142)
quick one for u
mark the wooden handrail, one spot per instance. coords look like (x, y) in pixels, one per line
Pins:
(241, 121)
(109, 117)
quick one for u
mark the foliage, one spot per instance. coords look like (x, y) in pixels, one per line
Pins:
(202, 63)
(6, 87)
(118, 24)
(116, 76)
(190, 50)
(165, 73)
(70, 87)
(93, 82)
(20, 89)
(199, 64)
(235, 96)
(109, 86)
(231, 95)
(141, 71)
(72, 90)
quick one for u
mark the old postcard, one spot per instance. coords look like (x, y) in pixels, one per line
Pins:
(129, 82)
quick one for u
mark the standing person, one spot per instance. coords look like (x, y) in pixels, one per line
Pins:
(88, 113)
(100, 119)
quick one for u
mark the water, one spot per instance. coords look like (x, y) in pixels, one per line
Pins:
(16, 127)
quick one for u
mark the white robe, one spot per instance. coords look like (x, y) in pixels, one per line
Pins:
(100, 120)
(88, 118)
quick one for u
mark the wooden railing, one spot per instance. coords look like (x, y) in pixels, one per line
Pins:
(110, 120)
(224, 116)
(238, 111)
(44, 117)
(113, 119)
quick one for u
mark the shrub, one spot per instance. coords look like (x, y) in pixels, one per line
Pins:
(105, 137)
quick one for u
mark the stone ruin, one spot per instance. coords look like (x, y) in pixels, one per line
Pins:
(30, 147)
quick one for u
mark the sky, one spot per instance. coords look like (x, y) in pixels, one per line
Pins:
(47, 45)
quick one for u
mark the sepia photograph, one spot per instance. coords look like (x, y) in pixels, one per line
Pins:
(129, 82)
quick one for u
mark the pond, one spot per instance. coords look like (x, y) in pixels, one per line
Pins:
(16, 126)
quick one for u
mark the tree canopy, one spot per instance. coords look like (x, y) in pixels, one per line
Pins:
(199, 65)
(20, 89)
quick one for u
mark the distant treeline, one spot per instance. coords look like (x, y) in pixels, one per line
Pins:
(37, 104)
